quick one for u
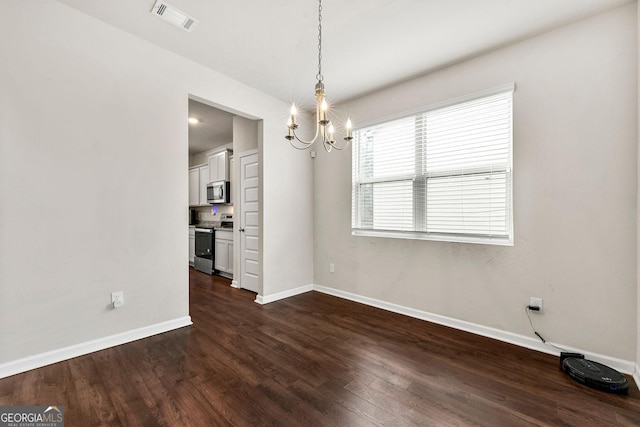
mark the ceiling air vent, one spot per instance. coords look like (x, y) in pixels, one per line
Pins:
(173, 15)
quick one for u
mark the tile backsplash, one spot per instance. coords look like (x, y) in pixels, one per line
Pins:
(205, 213)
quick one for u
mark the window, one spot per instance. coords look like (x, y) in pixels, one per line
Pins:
(440, 174)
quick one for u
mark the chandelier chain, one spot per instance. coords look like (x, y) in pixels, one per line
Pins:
(324, 127)
(319, 75)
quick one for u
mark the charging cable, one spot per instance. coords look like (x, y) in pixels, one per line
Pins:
(534, 308)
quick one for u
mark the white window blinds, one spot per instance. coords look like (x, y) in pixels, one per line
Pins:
(442, 174)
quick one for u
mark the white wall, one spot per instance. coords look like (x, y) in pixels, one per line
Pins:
(288, 196)
(637, 373)
(575, 164)
(93, 137)
(245, 134)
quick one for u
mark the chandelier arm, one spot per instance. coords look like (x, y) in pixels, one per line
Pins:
(345, 145)
(311, 141)
(298, 148)
(340, 148)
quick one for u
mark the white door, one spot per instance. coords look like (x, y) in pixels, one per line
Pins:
(249, 267)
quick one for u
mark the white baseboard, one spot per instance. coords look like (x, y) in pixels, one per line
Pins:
(636, 375)
(621, 365)
(54, 356)
(282, 295)
(235, 284)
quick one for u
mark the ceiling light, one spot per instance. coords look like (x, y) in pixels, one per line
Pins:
(324, 127)
(193, 120)
(173, 16)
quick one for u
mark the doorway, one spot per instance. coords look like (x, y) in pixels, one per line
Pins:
(214, 129)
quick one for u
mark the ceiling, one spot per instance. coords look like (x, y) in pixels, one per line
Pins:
(366, 44)
(215, 127)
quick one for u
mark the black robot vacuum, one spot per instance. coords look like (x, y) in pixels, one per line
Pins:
(595, 375)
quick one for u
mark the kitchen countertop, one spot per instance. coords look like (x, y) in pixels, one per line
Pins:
(206, 225)
(214, 225)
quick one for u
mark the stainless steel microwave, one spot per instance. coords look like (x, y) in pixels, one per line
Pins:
(218, 192)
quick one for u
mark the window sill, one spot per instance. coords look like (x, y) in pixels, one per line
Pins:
(452, 238)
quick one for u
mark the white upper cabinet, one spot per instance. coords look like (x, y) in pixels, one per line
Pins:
(204, 174)
(219, 166)
(198, 180)
(194, 187)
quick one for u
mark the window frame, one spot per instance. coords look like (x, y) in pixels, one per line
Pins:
(420, 232)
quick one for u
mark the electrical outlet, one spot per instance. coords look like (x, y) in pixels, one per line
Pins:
(536, 302)
(117, 299)
(332, 268)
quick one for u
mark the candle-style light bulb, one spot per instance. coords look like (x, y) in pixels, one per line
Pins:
(290, 135)
(292, 119)
(331, 129)
(323, 112)
(349, 128)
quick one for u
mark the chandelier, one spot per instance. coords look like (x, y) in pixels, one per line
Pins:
(324, 127)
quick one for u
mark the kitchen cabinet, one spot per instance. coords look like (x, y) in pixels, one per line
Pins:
(192, 244)
(219, 166)
(194, 187)
(204, 175)
(224, 253)
(198, 180)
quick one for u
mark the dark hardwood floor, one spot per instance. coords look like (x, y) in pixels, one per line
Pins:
(314, 360)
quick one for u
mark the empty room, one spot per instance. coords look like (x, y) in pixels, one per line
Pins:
(385, 212)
